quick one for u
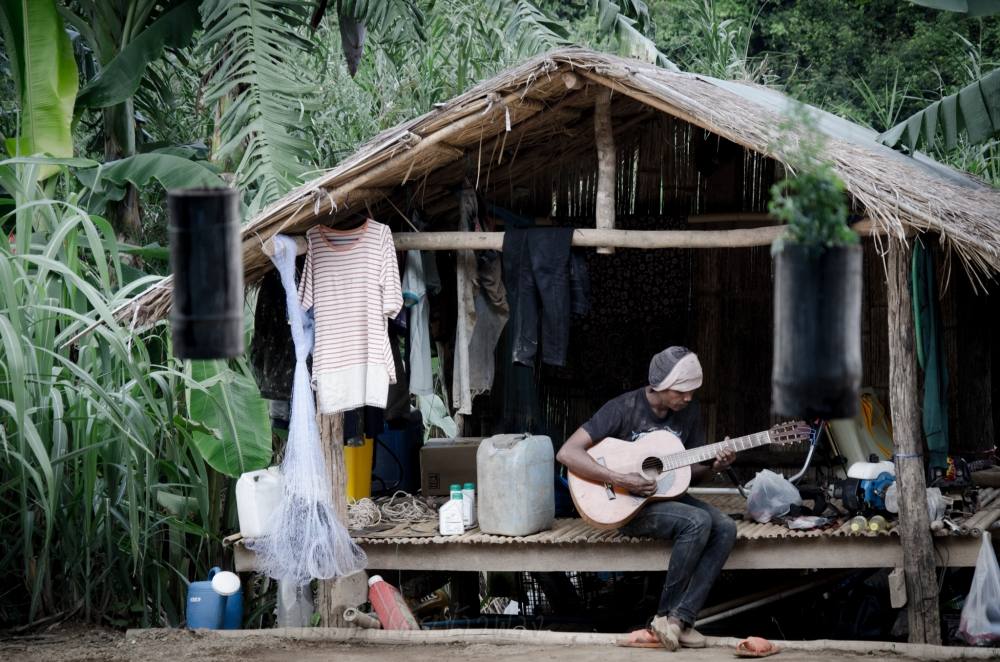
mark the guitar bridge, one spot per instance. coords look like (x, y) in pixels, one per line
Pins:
(607, 486)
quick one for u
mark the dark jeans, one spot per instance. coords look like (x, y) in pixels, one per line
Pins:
(536, 273)
(703, 538)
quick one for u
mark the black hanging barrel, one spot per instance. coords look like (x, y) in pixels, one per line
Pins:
(205, 257)
(817, 332)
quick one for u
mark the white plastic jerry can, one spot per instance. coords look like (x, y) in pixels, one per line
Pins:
(258, 494)
(516, 476)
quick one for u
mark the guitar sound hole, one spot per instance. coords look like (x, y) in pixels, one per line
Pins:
(652, 467)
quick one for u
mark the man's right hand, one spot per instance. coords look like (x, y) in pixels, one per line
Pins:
(636, 484)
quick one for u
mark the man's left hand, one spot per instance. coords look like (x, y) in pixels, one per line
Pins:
(723, 459)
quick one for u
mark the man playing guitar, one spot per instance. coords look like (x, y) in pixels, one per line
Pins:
(702, 535)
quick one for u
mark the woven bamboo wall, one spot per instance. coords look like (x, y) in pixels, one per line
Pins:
(718, 302)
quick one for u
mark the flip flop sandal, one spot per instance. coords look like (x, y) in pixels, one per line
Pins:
(756, 647)
(643, 638)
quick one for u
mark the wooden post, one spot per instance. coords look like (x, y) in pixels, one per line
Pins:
(605, 141)
(331, 432)
(914, 527)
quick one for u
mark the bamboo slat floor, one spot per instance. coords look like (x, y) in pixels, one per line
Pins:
(572, 544)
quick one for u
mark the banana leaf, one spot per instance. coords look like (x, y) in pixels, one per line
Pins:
(121, 77)
(974, 110)
(108, 181)
(236, 417)
(45, 76)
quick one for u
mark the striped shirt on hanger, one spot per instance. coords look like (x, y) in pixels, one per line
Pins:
(351, 280)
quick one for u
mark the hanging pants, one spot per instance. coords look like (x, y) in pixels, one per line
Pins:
(536, 267)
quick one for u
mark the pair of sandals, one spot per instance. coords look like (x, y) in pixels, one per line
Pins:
(749, 647)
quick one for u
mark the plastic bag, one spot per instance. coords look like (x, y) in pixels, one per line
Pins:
(771, 495)
(980, 623)
(806, 522)
(937, 503)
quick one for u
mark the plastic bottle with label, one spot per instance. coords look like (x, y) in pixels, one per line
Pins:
(877, 523)
(451, 514)
(389, 605)
(469, 505)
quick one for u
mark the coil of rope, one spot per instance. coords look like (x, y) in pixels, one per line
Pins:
(401, 508)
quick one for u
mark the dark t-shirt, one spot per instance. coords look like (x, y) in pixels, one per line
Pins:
(629, 415)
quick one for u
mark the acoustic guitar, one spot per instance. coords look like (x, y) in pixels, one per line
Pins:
(660, 456)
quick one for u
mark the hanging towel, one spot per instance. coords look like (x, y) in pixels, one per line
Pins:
(930, 355)
(415, 298)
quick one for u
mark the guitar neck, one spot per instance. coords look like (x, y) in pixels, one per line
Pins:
(703, 453)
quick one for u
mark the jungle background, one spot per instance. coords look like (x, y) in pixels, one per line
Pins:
(118, 462)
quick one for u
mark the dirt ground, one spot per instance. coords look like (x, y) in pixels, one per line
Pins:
(96, 645)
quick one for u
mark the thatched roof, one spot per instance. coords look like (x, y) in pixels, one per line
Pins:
(514, 117)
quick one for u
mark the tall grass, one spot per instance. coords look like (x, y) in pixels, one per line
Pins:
(106, 508)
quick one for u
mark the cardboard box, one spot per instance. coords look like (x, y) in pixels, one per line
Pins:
(447, 461)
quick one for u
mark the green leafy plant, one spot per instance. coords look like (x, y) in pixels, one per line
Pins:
(973, 112)
(45, 76)
(262, 101)
(812, 201)
(110, 499)
(721, 47)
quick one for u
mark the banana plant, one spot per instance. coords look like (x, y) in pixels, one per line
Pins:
(121, 75)
(233, 429)
(125, 37)
(45, 76)
(972, 112)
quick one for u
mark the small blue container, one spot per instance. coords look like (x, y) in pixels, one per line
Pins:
(208, 609)
(233, 618)
(205, 607)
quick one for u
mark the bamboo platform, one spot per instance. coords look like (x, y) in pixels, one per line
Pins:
(573, 545)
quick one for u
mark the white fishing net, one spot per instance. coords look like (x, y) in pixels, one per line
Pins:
(306, 539)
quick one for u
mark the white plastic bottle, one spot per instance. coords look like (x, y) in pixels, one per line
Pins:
(469, 505)
(450, 515)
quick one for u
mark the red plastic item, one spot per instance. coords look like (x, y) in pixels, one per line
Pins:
(388, 603)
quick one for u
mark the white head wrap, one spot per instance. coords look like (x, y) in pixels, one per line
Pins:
(685, 375)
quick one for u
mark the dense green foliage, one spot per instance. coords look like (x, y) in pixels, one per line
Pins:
(116, 462)
(107, 500)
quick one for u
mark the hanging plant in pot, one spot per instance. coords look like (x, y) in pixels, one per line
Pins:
(816, 371)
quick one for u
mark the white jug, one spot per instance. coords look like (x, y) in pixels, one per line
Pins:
(516, 475)
(258, 494)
